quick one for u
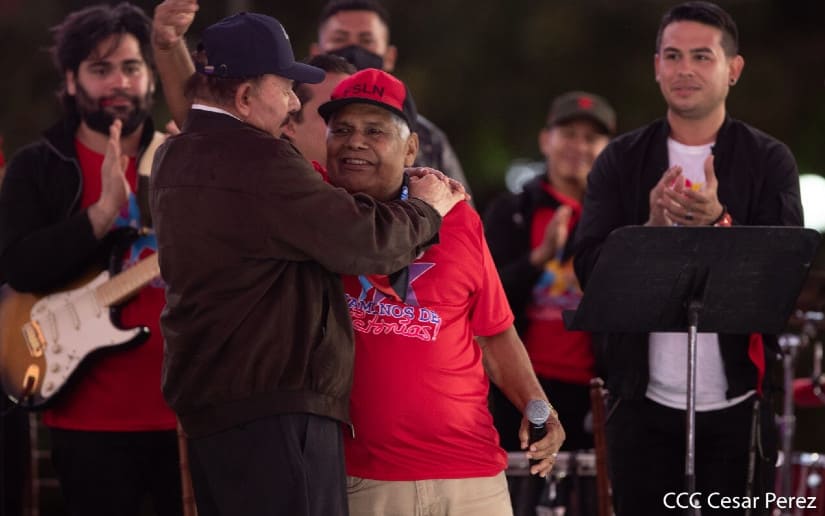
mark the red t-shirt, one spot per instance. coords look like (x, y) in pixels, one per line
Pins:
(120, 391)
(419, 397)
(555, 352)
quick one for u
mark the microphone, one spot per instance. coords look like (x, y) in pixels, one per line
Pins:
(537, 412)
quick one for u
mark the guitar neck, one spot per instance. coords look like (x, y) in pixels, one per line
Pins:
(128, 282)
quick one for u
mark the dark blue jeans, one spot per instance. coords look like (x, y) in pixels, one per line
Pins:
(290, 465)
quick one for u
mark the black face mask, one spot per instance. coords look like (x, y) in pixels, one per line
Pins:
(359, 57)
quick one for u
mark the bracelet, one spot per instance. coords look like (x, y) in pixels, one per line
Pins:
(724, 219)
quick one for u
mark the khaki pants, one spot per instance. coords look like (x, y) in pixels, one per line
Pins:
(484, 496)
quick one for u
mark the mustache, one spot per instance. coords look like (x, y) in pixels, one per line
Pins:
(122, 95)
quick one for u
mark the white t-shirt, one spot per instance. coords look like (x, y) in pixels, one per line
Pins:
(692, 160)
(668, 352)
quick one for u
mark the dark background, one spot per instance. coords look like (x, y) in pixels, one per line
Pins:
(485, 72)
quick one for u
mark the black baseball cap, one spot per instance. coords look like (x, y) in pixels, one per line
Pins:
(579, 104)
(250, 45)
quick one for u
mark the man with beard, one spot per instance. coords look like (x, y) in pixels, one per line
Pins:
(65, 204)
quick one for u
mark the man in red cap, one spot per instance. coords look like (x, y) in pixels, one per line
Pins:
(422, 437)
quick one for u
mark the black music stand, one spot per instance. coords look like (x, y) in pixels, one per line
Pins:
(740, 279)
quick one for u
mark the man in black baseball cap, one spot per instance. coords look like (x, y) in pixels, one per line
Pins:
(249, 55)
(259, 351)
(529, 237)
(584, 106)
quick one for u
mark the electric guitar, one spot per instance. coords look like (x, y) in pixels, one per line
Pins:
(43, 339)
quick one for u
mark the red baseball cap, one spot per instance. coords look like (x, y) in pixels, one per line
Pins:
(376, 87)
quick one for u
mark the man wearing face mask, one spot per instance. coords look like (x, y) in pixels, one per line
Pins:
(358, 31)
(65, 200)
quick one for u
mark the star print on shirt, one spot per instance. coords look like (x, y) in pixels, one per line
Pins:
(382, 289)
(130, 217)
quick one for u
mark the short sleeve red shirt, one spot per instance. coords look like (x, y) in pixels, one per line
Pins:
(419, 398)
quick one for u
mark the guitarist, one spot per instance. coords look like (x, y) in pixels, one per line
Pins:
(113, 436)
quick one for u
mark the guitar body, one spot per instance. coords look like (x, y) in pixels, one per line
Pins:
(43, 340)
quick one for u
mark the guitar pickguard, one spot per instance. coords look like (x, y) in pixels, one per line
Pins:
(61, 330)
(74, 324)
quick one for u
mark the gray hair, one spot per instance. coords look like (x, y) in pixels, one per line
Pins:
(403, 127)
(401, 124)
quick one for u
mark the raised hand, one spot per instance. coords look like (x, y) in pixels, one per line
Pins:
(172, 19)
(171, 128)
(114, 189)
(658, 202)
(688, 207)
(555, 237)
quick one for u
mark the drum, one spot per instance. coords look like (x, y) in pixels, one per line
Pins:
(807, 485)
(569, 490)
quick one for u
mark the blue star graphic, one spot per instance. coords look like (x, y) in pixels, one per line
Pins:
(416, 270)
(130, 217)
